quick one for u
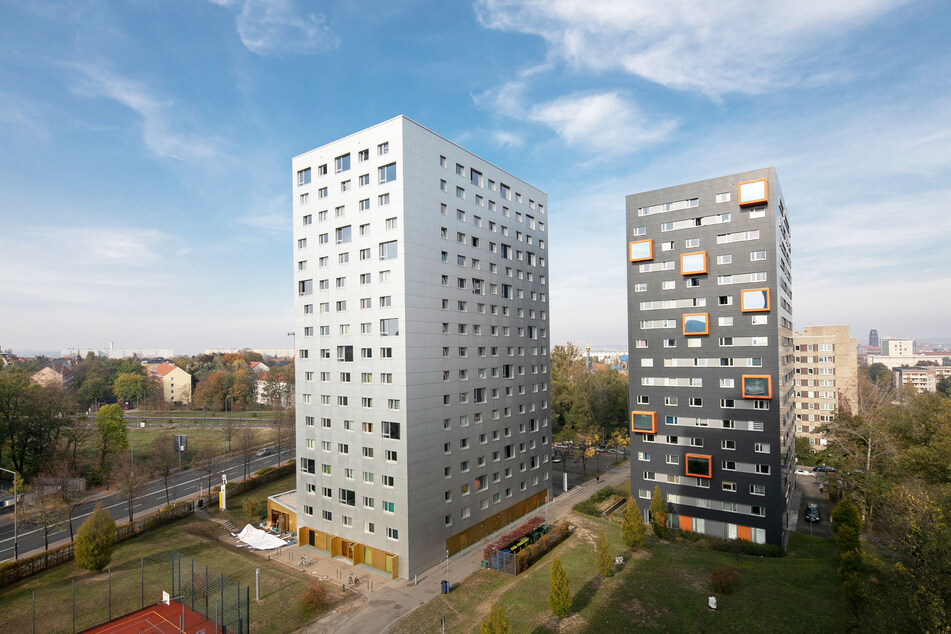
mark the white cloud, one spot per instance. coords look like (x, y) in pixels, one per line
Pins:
(278, 27)
(503, 138)
(716, 47)
(605, 122)
(162, 119)
(270, 215)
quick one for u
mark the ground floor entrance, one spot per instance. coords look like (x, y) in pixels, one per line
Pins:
(354, 552)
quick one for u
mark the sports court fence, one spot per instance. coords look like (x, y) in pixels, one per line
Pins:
(96, 598)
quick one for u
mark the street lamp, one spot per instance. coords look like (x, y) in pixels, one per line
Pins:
(16, 553)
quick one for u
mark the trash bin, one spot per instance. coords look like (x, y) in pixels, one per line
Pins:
(201, 502)
(445, 587)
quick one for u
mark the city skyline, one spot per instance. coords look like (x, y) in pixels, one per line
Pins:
(144, 192)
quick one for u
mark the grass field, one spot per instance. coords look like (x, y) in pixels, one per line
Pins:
(663, 588)
(280, 585)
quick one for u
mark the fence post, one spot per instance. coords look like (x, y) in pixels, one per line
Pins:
(74, 606)
(110, 593)
(142, 584)
(191, 590)
(206, 591)
(34, 612)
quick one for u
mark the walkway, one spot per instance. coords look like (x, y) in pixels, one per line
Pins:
(383, 600)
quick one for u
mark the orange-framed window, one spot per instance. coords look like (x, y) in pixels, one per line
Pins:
(757, 386)
(696, 324)
(699, 466)
(754, 300)
(752, 192)
(744, 532)
(693, 263)
(640, 250)
(686, 523)
(643, 422)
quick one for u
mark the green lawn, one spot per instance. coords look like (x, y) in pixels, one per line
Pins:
(276, 612)
(143, 439)
(664, 588)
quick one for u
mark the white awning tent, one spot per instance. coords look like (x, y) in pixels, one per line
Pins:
(258, 539)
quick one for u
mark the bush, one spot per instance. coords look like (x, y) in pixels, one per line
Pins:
(602, 494)
(588, 507)
(724, 579)
(747, 548)
(559, 595)
(495, 623)
(312, 599)
(658, 512)
(95, 540)
(602, 555)
(263, 470)
(633, 531)
(528, 556)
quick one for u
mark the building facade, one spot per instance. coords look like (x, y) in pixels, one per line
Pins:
(826, 379)
(421, 322)
(176, 382)
(922, 378)
(711, 363)
(873, 341)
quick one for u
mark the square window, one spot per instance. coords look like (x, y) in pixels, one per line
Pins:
(699, 466)
(752, 192)
(696, 324)
(754, 300)
(693, 263)
(641, 250)
(643, 422)
(756, 386)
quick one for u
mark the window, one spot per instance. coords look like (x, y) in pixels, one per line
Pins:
(391, 430)
(389, 327)
(364, 205)
(342, 163)
(303, 176)
(392, 533)
(363, 180)
(387, 173)
(388, 250)
(383, 148)
(343, 234)
(383, 199)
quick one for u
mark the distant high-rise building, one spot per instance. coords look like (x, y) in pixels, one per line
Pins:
(711, 368)
(421, 321)
(873, 338)
(826, 378)
(897, 347)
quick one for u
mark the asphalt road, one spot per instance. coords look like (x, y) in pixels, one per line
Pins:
(182, 485)
(811, 495)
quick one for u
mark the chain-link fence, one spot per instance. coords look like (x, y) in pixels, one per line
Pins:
(96, 598)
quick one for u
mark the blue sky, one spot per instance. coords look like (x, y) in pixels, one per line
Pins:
(145, 147)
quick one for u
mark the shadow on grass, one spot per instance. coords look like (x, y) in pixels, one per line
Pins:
(583, 597)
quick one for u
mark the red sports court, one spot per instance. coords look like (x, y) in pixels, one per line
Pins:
(161, 617)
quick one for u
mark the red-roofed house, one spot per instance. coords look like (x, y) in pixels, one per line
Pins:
(176, 383)
(259, 366)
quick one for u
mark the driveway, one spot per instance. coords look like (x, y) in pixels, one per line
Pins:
(809, 484)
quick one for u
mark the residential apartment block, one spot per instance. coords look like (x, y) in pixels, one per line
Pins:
(922, 378)
(826, 378)
(711, 367)
(421, 321)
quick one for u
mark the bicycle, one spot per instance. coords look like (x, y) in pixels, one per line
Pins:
(304, 561)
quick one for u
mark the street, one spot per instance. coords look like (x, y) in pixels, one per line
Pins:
(182, 485)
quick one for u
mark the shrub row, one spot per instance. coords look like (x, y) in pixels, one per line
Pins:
(13, 571)
(530, 554)
(590, 506)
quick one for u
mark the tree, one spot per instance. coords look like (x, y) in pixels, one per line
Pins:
(284, 428)
(46, 511)
(246, 443)
(602, 555)
(76, 435)
(804, 453)
(620, 439)
(495, 623)
(113, 437)
(209, 465)
(658, 513)
(633, 530)
(130, 387)
(846, 525)
(559, 595)
(880, 375)
(130, 481)
(95, 540)
(65, 475)
(567, 367)
(944, 386)
(31, 418)
(163, 459)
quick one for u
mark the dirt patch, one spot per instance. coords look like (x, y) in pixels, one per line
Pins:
(572, 623)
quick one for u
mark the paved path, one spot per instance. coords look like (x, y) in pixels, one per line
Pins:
(809, 485)
(383, 600)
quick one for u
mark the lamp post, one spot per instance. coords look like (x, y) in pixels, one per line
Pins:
(16, 553)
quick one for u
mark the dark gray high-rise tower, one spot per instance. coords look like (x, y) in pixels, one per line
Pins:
(873, 338)
(711, 368)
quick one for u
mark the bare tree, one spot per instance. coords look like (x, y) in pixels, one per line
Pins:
(130, 480)
(284, 428)
(209, 465)
(246, 442)
(46, 511)
(76, 435)
(65, 476)
(230, 429)
(163, 459)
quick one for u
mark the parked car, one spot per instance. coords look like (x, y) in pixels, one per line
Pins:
(802, 471)
(556, 460)
(825, 469)
(267, 451)
(812, 513)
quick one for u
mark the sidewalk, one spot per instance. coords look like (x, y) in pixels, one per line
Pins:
(383, 601)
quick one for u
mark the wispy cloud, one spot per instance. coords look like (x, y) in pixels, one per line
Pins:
(280, 27)
(19, 116)
(162, 118)
(715, 47)
(504, 138)
(603, 122)
(270, 215)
